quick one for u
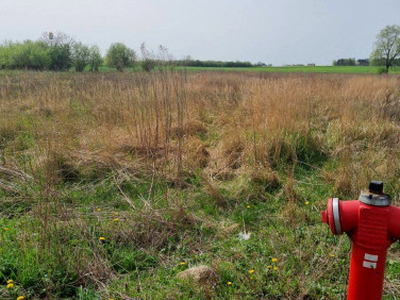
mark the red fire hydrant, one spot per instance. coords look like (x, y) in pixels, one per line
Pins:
(372, 225)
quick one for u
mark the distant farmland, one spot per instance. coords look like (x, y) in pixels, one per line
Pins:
(302, 69)
(311, 69)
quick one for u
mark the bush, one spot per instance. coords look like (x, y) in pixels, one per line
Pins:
(382, 70)
(120, 56)
(26, 55)
(148, 65)
(60, 57)
(95, 59)
(80, 56)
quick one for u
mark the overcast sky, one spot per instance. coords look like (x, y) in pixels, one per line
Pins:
(272, 31)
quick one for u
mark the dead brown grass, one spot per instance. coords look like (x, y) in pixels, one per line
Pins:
(221, 123)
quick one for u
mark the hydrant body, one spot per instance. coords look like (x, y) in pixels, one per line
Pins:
(373, 225)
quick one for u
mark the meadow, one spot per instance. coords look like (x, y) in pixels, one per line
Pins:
(304, 69)
(371, 70)
(113, 183)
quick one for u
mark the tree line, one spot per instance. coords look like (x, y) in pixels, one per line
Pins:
(59, 52)
(213, 63)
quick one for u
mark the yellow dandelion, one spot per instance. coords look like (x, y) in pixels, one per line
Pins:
(102, 238)
(269, 267)
(182, 263)
(6, 228)
(251, 271)
(99, 209)
(116, 220)
(274, 260)
(248, 206)
(332, 255)
(21, 298)
(229, 283)
(307, 202)
(10, 285)
(276, 268)
(116, 213)
(111, 299)
(10, 281)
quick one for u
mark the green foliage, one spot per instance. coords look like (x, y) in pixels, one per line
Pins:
(95, 59)
(387, 47)
(345, 62)
(80, 56)
(61, 57)
(27, 55)
(37, 55)
(148, 64)
(382, 70)
(120, 56)
(213, 64)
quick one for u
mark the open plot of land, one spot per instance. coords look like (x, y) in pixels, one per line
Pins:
(305, 69)
(111, 184)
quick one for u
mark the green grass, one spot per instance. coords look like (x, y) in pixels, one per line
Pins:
(311, 69)
(290, 69)
(281, 230)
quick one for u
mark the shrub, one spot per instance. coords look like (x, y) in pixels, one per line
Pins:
(95, 59)
(80, 56)
(120, 56)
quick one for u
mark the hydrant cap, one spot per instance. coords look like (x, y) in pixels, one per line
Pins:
(376, 187)
(375, 196)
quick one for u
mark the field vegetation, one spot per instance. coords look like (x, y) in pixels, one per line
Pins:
(301, 69)
(112, 183)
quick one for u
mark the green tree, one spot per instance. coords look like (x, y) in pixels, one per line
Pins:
(387, 47)
(26, 55)
(39, 56)
(80, 56)
(95, 59)
(120, 56)
(61, 49)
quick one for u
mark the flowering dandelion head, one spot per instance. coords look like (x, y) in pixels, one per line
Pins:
(229, 283)
(102, 238)
(20, 298)
(10, 285)
(251, 271)
(274, 260)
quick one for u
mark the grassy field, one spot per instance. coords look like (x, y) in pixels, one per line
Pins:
(304, 69)
(301, 69)
(111, 184)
